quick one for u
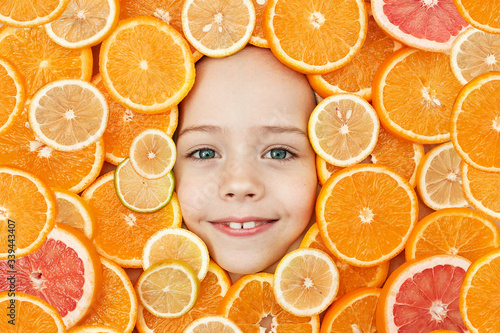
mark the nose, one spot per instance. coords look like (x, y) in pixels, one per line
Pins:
(241, 181)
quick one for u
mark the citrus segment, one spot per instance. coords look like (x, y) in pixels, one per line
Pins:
(217, 28)
(68, 115)
(213, 324)
(93, 329)
(481, 190)
(438, 178)
(250, 304)
(84, 23)
(306, 282)
(168, 289)
(423, 296)
(152, 78)
(180, 244)
(139, 194)
(413, 93)
(212, 289)
(460, 231)
(365, 214)
(475, 52)
(258, 38)
(27, 213)
(428, 25)
(169, 11)
(42, 61)
(324, 169)
(343, 129)
(29, 13)
(353, 312)
(315, 37)
(356, 76)
(75, 212)
(65, 272)
(24, 313)
(152, 154)
(116, 305)
(13, 94)
(475, 122)
(350, 277)
(124, 125)
(74, 171)
(482, 17)
(479, 291)
(120, 233)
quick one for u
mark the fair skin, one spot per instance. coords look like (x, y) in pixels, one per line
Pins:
(245, 170)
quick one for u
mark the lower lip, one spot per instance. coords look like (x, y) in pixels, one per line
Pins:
(243, 232)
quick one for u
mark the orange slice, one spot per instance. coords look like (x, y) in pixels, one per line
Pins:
(460, 231)
(13, 94)
(168, 289)
(258, 38)
(482, 17)
(116, 305)
(169, 11)
(438, 178)
(481, 190)
(306, 282)
(365, 214)
(479, 291)
(216, 28)
(68, 115)
(65, 272)
(93, 329)
(29, 13)
(251, 305)
(350, 277)
(324, 169)
(212, 289)
(75, 212)
(180, 244)
(40, 60)
(343, 129)
(152, 78)
(422, 296)
(427, 25)
(120, 233)
(356, 76)
(84, 23)
(74, 171)
(353, 312)
(474, 52)
(24, 313)
(139, 194)
(413, 93)
(475, 122)
(124, 125)
(213, 324)
(27, 213)
(152, 154)
(317, 37)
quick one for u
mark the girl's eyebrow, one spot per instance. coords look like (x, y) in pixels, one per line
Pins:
(202, 128)
(264, 130)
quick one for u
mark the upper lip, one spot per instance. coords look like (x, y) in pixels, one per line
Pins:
(242, 219)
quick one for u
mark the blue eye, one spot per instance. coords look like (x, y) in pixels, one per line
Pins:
(278, 154)
(205, 154)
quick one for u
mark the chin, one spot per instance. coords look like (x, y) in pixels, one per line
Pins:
(243, 265)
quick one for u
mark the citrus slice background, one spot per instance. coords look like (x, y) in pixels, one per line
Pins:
(13, 94)
(481, 190)
(29, 13)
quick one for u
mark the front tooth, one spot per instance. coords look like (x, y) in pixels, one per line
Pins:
(249, 225)
(235, 225)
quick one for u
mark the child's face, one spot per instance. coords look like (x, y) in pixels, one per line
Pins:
(243, 155)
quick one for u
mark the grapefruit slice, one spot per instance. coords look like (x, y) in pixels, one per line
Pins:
(422, 296)
(430, 25)
(65, 272)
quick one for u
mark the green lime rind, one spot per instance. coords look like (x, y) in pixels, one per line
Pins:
(139, 194)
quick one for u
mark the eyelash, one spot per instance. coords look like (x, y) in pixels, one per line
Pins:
(190, 155)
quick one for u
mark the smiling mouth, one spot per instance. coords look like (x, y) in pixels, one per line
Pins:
(245, 225)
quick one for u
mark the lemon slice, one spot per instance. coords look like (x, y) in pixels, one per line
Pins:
(212, 324)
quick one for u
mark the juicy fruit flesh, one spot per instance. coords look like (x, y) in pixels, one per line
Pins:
(429, 301)
(435, 20)
(54, 273)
